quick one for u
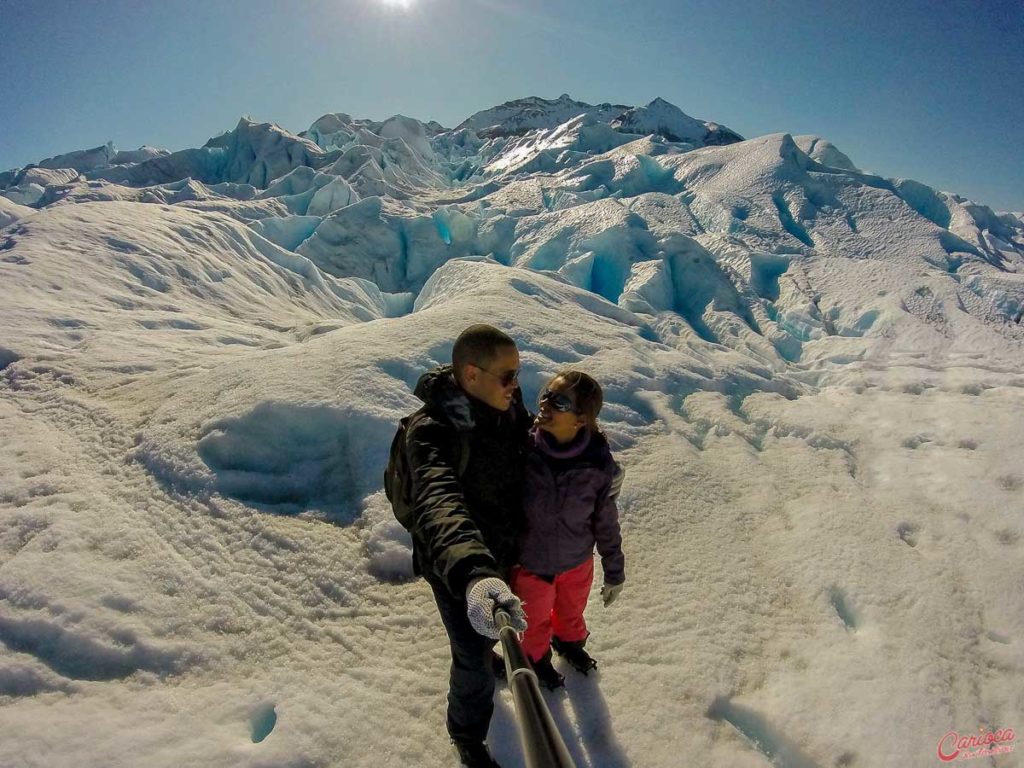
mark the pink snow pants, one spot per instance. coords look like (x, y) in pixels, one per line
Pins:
(553, 609)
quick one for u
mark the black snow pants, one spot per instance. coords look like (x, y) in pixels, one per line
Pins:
(471, 680)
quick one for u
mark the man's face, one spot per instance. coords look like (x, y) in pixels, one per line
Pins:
(494, 383)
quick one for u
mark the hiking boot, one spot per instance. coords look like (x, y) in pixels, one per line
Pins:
(498, 666)
(474, 754)
(547, 675)
(573, 652)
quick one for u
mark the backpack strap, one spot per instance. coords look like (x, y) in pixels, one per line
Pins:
(461, 445)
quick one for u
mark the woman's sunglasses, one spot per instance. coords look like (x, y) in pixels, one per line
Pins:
(558, 401)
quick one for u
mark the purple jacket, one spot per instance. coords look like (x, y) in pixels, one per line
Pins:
(568, 507)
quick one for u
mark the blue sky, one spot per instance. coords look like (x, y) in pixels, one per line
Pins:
(932, 91)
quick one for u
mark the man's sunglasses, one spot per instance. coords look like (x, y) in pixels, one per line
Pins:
(506, 379)
(558, 401)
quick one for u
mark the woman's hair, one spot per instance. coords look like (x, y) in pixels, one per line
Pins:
(586, 393)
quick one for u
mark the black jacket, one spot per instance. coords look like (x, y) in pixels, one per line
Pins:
(465, 528)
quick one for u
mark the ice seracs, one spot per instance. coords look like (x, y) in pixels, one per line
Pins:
(645, 206)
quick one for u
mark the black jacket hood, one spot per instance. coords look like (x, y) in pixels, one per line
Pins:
(438, 389)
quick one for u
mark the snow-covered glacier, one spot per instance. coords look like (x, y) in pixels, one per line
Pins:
(813, 376)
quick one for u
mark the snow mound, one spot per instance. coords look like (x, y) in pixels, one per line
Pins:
(240, 201)
(44, 177)
(25, 194)
(292, 458)
(825, 152)
(80, 280)
(11, 211)
(411, 131)
(82, 160)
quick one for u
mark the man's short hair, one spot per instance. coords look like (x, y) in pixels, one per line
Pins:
(478, 345)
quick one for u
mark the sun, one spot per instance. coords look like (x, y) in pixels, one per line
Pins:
(399, 4)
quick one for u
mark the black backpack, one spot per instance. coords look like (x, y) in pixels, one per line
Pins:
(398, 479)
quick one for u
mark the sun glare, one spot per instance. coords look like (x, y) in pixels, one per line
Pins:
(400, 4)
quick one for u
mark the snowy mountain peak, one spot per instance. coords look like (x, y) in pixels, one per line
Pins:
(514, 118)
(659, 117)
(665, 119)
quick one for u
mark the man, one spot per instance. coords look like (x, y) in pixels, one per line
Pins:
(467, 514)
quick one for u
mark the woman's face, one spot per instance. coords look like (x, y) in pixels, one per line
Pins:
(560, 424)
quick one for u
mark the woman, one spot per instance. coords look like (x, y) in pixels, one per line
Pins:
(569, 507)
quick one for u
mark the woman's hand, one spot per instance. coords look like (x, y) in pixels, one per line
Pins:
(609, 592)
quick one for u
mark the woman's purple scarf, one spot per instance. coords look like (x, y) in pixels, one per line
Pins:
(548, 445)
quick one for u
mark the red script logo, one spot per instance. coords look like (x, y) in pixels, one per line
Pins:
(954, 746)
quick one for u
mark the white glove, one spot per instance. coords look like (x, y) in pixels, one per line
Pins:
(609, 592)
(483, 596)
